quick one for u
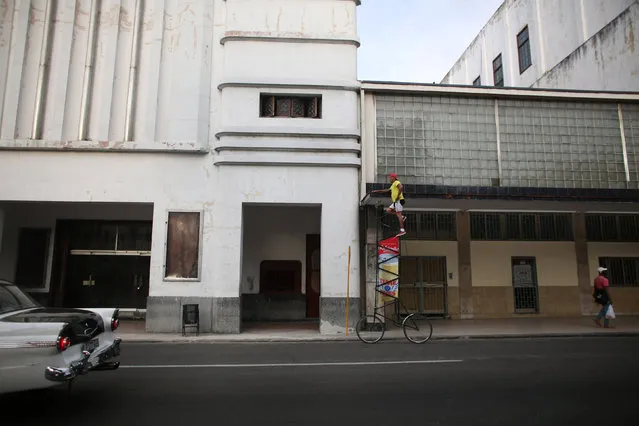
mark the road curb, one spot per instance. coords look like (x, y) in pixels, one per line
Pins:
(386, 338)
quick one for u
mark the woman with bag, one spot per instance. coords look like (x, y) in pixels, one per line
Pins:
(602, 297)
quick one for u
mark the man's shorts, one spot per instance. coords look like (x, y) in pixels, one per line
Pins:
(397, 206)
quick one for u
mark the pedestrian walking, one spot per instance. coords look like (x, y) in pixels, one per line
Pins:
(602, 297)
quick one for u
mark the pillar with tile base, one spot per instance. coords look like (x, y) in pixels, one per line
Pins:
(466, 309)
(583, 272)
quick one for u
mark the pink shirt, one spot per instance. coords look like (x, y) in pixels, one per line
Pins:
(601, 282)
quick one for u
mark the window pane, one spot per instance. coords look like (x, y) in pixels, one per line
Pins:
(298, 107)
(33, 253)
(283, 107)
(93, 235)
(134, 236)
(183, 241)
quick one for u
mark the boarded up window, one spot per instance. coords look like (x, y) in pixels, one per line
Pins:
(33, 253)
(183, 245)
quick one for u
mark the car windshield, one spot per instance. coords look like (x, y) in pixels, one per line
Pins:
(13, 299)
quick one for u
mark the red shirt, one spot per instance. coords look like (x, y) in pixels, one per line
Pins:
(601, 282)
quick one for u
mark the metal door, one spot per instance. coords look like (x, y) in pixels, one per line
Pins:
(423, 285)
(525, 286)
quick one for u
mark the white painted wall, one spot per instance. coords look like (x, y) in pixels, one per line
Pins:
(335, 189)
(202, 64)
(170, 93)
(275, 233)
(607, 61)
(556, 29)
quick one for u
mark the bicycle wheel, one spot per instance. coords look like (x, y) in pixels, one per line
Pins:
(370, 328)
(417, 328)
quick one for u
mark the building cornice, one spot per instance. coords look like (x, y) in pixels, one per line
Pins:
(293, 84)
(185, 147)
(288, 132)
(243, 36)
(492, 92)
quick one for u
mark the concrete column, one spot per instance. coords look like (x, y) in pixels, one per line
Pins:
(583, 273)
(371, 269)
(466, 309)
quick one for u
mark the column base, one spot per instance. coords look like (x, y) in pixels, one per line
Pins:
(333, 314)
(217, 314)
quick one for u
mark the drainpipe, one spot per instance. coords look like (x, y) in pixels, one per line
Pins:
(362, 147)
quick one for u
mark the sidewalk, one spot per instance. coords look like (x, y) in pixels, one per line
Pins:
(134, 331)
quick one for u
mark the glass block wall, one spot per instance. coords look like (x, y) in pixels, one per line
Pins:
(437, 140)
(452, 140)
(630, 114)
(560, 145)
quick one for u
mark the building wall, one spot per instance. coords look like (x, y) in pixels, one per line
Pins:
(158, 102)
(492, 277)
(471, 141)
(556, 30)
(609, 60)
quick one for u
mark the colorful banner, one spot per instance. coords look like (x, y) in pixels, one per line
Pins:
(388, 262)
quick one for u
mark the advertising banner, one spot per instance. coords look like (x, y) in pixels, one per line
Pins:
(388, 261)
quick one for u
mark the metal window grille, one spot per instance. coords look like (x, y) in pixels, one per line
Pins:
(612, 227)
(622, 271)
(502, 226)
(434, 226)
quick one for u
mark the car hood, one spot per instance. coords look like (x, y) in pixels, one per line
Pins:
(80, 323)
(50, 315)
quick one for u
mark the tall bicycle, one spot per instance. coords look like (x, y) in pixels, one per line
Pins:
(416, 327)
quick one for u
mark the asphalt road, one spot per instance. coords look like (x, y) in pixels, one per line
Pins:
(586, 381)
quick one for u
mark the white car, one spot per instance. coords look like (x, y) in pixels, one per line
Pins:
(44, 347)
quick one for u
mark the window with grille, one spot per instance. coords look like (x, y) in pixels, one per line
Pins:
(523, 50)
(498, 72)
(292, 106)
(501, 226)
(434, 226)
(612, 227)
(622, 271)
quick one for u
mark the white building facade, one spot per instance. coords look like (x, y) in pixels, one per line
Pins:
(563, 44)
(155, 154)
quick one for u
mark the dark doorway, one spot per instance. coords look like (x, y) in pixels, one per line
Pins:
(525, 286)
(423, 284)
(107, 281)
(313, 274)
(101, 264)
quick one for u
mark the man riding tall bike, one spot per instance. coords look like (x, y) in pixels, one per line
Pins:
(397, 201)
